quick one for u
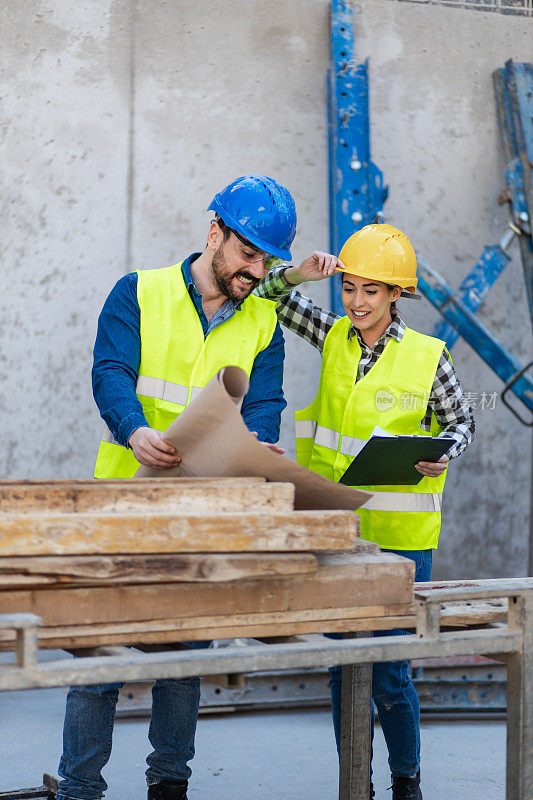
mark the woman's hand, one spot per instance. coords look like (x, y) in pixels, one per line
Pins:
(432, 469)
(315, 267)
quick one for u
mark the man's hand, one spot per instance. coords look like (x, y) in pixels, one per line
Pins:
(273, 447)
(150, 449)
(432, 469)
(315, 267)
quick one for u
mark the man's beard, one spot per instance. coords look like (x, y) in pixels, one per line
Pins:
(223, 278)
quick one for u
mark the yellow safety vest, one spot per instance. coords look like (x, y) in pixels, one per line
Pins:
(393, 395)
(177, 361)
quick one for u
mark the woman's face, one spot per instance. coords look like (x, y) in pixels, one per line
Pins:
(367, 303)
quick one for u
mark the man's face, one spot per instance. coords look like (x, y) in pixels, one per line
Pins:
(238, 267)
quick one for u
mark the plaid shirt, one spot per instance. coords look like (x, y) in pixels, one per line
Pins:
(312, 323)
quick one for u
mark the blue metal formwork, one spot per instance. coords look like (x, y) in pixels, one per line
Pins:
(513, 86)
(477, 285)
(514, 98)
(499, 359)
(357, 193)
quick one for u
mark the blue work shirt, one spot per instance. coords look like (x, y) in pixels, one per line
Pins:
(117, 355)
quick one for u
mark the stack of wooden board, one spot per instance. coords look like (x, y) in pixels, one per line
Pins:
(165, 560)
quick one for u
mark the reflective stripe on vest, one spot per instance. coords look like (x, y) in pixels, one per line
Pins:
(166, 390)
(305, 428)
(162, 390)
(351, 446)
(325, 437)
(404, 501)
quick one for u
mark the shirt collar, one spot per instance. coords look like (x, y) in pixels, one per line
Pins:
(191, 286)
(395, 330)
(186, 272)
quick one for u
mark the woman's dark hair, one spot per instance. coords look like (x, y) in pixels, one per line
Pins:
(389, 286)
(393, 304)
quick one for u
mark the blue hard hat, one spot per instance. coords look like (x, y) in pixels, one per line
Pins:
(261, 210)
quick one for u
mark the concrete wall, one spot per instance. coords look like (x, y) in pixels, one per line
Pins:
(119, 122)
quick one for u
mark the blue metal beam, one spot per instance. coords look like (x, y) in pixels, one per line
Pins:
(357, 193)
(478, 336)
(513, 86)
(476, 287)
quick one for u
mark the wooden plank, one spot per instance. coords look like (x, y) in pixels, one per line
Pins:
(367, 580)
(22, 571)
(248, 625)
(122, 481)
(458, 614)
(221, 627)
(77, 534)
(472, 590)
(171, 496)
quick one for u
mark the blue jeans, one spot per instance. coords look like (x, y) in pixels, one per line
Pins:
(393, 693)
(88, 732)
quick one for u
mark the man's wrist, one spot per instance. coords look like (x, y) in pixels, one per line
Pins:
(129, 425)
(133, 433)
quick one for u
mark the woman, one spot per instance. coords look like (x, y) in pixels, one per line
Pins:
(377, 372)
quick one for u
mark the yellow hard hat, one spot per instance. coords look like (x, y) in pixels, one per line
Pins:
(383, 253)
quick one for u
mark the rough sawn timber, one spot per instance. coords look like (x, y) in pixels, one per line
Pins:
(179, 495)
(255, 625)
(219, 627)
(365, 580)
(77, 534)
(97, 570)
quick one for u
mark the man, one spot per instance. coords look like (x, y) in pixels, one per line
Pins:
(163, 334)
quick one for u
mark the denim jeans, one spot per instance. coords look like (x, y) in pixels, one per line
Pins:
(88, 732)
(393, 693)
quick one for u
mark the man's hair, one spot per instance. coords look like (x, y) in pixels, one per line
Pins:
(226, 230)
(223, 227)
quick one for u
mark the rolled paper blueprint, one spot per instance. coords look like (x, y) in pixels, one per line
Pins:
(213, 441)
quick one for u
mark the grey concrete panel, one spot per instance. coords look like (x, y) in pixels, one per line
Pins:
(215, 100)
(64, 138)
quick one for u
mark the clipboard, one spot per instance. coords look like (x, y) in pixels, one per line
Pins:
(391, 460)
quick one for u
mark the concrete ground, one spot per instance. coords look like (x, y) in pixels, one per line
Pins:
(285, 755)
